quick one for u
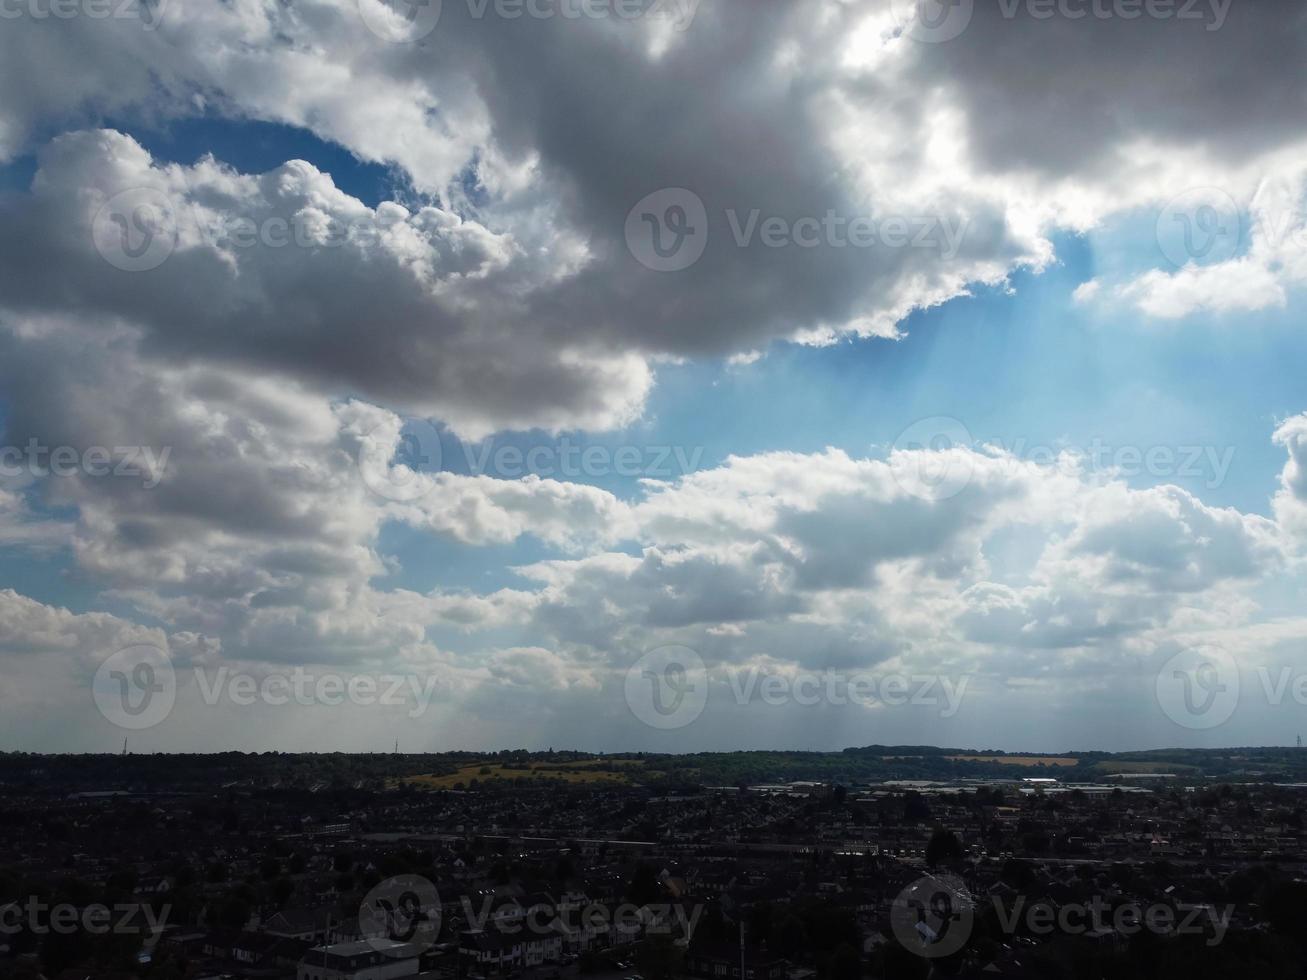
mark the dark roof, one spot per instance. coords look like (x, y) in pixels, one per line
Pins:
(360, 955)
(300, 920)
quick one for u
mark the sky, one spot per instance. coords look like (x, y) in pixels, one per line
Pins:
(652, 375)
